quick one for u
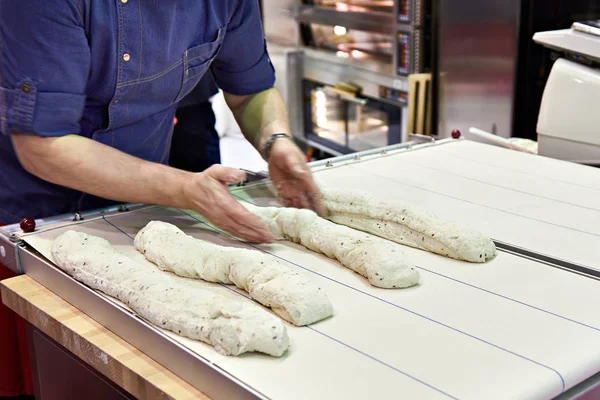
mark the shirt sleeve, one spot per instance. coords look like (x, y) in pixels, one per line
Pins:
(243, 66)
(44, 66)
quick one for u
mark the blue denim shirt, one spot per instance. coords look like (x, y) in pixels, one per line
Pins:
(113, 71)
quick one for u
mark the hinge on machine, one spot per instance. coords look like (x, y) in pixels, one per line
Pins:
(9, 252)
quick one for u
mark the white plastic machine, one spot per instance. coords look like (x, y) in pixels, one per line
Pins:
(569, 120)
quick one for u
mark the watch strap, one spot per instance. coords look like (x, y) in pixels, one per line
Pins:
(270, 141)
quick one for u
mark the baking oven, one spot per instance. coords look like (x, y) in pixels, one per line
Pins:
(384, 36)
(339, 120)
(357, 58)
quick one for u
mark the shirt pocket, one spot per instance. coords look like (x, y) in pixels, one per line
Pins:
(196, 61)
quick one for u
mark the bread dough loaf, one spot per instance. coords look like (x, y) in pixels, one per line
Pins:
(232, 327)
(405, 224)
(382, 262)
(268, 280)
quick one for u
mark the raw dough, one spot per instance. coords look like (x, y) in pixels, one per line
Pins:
(405, 224)
(268, 280)
(382, 262)
(232, 327)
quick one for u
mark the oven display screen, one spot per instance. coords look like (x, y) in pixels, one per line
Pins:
(404, 11)
(393, 94)
(403, 43)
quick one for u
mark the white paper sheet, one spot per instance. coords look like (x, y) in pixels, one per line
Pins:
(511, 328)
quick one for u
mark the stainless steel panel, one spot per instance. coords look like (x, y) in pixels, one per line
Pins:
(586, 390)
(383, 151)
(386, 32)
(14, 229)
(366, 45)
(360, 20)
(279, 22)
(330, 69)
(402, 11)
(364, 66)
(319, 146)
(477, 57)
(10, 235)
(8, 252)
(287, 62)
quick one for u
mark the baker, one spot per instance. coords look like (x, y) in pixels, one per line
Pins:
(88, 92)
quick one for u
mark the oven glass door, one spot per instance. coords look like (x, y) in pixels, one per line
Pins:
(361, 31)
(345, 123)
(352, 43)
(383, 6)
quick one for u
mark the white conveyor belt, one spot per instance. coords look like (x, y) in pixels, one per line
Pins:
(544, 205)
(509, 329)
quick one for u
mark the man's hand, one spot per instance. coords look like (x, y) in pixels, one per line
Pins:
(260, 116)
(88, 166)
(208, 194)
(292, 178)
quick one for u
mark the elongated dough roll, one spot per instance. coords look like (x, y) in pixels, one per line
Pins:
(405, 224)
(382, 262)
(268, 280)
(232, 327)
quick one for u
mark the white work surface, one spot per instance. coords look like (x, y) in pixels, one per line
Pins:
(548, 206)
(509, 329)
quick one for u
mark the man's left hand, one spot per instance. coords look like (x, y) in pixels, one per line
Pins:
(293, 180)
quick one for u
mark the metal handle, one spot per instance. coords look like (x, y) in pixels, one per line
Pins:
(343, 96)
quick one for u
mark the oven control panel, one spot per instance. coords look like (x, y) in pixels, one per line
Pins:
(398, 96)
(404, 11)
(403, 42)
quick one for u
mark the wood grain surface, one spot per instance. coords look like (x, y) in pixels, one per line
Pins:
(104, 351)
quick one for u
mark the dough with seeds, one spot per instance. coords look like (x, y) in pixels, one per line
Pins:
(268, 280)
(180, 305)
(406, 224)
(380, 261)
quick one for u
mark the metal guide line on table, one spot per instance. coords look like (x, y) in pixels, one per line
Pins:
(219, 382)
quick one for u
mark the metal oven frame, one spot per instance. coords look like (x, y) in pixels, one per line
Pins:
(393, 112)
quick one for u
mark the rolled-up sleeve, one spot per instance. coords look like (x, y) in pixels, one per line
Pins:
(243, 66)
(44, 66)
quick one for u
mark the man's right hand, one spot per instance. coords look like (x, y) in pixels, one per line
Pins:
(92, 167)
(208, 194)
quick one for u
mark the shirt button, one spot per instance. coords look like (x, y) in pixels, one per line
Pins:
(116, 102)
(126, 56)
(26, 88)
(123, 1)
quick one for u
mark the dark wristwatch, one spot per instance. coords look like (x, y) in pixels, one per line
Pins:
(270, 141)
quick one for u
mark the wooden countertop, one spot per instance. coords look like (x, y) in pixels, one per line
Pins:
(104, 351)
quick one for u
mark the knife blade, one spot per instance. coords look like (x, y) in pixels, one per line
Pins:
(253, 176)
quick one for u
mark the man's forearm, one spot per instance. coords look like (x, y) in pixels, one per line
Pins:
(88, 166)
(259, 115)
